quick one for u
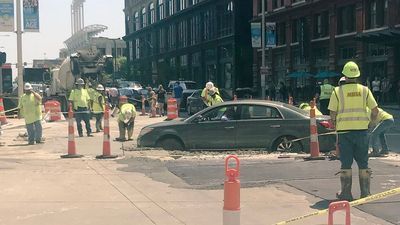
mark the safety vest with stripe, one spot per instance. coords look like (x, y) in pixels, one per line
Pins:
(326, 91)
(97, 108)
(352, 107)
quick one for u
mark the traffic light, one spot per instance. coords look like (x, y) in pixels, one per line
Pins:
(3, 58)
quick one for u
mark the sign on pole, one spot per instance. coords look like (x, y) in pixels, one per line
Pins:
(270, 35)
(256, 35)
(6, 15)
(31, 15)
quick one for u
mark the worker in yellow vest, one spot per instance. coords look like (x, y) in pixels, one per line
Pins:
(384, 121)
(126, 118)
(307, 107)
(81, 103)
(214, 98)
(99, 105)
(30, 107)
(324, 96)
(348, 105)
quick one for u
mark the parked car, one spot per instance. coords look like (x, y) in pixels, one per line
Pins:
(196, 104)
(238, 125)
(134, 95)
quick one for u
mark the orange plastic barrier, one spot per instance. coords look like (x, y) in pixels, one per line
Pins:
(71, 136)
(106, 137)
(231, 214)
(172, 109)
(336, 206)
(3, 118)
(54, 109)
(314, 144)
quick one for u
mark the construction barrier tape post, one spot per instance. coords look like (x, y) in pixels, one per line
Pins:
(361, 201)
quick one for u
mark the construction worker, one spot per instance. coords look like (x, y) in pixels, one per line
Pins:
(81, 103)
(324, 95)
(384, 121)
(214, 98)
(205, 94)
(306, 107)
(126, 118)
(348, 105)
(99, 105)
(30, 107)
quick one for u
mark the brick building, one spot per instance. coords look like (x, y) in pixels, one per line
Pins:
(322, 35)
(198, 40)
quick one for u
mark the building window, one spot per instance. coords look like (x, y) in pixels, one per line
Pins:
(131, 50)
(377, 50)
(296, 30)
(296, 1)
(281, 33)
(209, 24)
(137, 21)
(321, 25)
(144, 18)
(182, 4)
(348, 52)
(259, 6)
(277, 4)
(195, 30)
(171, 7)
(137, 48)
(297, 59)
(376, 14)
(225, 19)
(321, 55)
(171, 37)
(182, 32)
(161, 39)
(152, 12)
(161, 9)
(346, 19)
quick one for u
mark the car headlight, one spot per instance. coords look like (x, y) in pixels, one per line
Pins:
(145, 131)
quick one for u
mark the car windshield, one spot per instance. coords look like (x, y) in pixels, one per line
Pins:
(190, 85)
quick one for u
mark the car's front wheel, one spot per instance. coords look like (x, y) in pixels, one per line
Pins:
(285, 144)
(170, 144)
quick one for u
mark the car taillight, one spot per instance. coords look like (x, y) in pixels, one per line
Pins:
(326, 124)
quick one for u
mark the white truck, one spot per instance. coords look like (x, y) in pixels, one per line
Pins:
(85, 64)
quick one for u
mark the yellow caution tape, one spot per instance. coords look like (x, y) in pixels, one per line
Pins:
(361, 201)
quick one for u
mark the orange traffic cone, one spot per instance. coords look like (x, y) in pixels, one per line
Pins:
(314, 144)
(231, 213)
(71, 136)
(3, 118)
(106, 140)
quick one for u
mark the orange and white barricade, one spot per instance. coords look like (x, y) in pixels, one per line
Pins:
(231, 211)
(336, 206)
(172, 109)
(53, 110)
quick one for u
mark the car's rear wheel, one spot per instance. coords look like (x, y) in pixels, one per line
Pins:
(285, 144)
(170, 144)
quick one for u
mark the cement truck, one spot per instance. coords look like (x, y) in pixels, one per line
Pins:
(85, 64)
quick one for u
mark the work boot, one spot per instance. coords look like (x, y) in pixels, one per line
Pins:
(374, 153)
(364, 176)
(384, 153)
(345, 181)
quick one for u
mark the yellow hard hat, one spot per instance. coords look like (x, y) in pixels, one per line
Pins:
(351, 70)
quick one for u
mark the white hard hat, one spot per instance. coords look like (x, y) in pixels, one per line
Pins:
(28, 87)
(80, 81)
(209, 85)
(100, 87)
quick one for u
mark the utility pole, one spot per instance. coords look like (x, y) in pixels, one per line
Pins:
(263, 68)
(20, 65)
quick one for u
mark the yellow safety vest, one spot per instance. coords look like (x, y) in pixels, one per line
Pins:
(80, 97)
(326, 91)
(127, 107)
(351, 102)
(30, 108)
(215, 100)
(317, 112)
(97, 108)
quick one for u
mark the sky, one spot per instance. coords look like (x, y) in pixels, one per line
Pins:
(55, 28)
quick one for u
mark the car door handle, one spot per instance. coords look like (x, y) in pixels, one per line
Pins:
(229, 127)
(275, 126)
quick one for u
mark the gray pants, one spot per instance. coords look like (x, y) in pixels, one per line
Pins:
(123, 127)
(34, 131)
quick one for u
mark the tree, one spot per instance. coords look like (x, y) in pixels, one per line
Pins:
(123, 68)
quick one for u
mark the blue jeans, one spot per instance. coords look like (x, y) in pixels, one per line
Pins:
(34, 131)
(82, 114)
(379, 133)
(353, 145)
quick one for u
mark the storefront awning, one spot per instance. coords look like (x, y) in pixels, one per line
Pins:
(389, 36)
